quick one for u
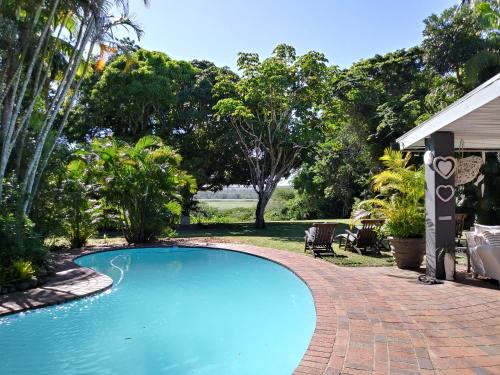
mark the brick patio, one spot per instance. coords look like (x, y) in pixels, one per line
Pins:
(70, 282)
(369, 320)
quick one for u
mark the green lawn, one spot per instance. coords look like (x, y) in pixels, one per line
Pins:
(227, 204)
(285, 236)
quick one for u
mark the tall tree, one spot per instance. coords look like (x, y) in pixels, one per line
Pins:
(136, 94)
(367, 107)
(275, 114)
(464, 42)
(380, 98)
(46, 50)
(168, 98)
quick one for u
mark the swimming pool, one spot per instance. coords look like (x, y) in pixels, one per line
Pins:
(170, 310)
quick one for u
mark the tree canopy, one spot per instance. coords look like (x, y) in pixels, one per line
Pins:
(378, 99)
(275, 114)
(145, 93)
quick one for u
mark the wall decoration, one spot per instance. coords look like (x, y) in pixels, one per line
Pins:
(468, 169)
(445, 192)
(445, 166)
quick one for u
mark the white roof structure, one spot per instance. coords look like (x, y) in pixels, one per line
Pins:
(474, 118)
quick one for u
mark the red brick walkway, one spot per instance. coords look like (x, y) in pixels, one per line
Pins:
(378, 320)
(70, 282)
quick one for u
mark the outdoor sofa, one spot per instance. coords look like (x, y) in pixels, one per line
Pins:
(484, 250)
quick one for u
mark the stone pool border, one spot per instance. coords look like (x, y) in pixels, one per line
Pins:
(73, 282)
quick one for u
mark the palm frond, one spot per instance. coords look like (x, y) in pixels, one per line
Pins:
(148, 142)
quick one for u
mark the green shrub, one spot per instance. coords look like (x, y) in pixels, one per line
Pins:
(141, 182)
(47, 210)
(21, 269)
(401, 189)
(80, 213)
(19, 241)
(207, 214)
(406, 222)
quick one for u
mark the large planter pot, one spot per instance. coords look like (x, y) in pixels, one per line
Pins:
(408, 252)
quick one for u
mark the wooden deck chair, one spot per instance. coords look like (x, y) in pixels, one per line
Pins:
(319, 238)
(366, 237)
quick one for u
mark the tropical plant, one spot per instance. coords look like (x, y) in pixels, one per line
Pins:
(175, 101)
(21, 269)
(275, 114)
(401, 196)
(141, 182)
(18, 238)
(464, 41)
(80, 210)
(47, 48)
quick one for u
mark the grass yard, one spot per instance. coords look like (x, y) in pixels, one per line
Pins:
(228, 204)
(284, 236)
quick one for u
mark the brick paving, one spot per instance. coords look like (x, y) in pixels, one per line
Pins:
(70, 282)
(369, 320)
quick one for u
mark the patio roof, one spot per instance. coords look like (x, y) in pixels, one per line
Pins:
(474, 119)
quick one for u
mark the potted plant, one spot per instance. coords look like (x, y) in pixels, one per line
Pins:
(400, 200)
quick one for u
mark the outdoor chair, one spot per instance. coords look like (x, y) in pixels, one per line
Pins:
(319, 238)
(366, 237)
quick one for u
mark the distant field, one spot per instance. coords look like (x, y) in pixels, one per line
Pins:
(226, 204)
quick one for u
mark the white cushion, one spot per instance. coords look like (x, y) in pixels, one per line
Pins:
(311, 234)
(479, 239)
(473, 241)
(490, 258)
(479, 228)
(491, 238)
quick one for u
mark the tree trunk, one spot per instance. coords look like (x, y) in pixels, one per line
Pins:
(67, 111)
(260, 210)
(61, 93)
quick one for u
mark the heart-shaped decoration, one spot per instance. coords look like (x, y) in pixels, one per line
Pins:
(445, 192)
(445, 166)
(468, 169)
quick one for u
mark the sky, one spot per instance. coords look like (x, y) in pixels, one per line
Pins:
(344, 30)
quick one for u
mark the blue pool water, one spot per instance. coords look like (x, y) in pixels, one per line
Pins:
(170, 311)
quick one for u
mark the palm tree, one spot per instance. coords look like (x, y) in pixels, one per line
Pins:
(401, 195)
(141, 182)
